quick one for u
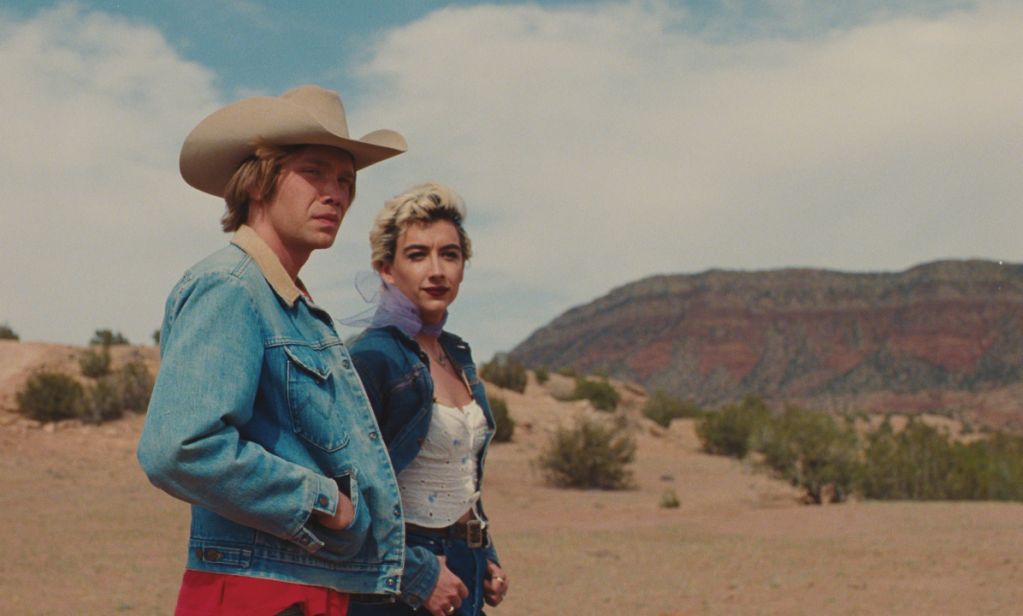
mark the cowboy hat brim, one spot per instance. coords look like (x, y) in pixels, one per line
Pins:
(214, 149)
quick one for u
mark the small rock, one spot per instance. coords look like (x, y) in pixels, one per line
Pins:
(50, 427)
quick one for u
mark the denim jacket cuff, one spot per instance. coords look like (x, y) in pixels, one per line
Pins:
(420, 577)
(322, 499)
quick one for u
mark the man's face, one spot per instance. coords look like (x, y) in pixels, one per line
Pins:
(313, 193)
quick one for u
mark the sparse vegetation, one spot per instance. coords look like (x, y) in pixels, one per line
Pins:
(589, 455)
(6, 333)
(51, 396)
(568, 371)
(95, 364)
(830, 461)
(103, 402)
(106, 337)
(600, 393)
(134, 385)
(542, 374)
(734, 430)
(663, 408)
(670, 500)
(505, 424)
(813, 452)
(505, 372)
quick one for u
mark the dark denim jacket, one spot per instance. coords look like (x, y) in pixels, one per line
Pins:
(396, 374)
(259, 420)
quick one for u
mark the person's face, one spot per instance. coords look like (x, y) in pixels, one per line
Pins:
(312, 196)
(428, 266)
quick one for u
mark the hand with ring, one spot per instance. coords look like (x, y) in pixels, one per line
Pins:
(495, 586)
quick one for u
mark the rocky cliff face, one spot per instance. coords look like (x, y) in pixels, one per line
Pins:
(944, 334)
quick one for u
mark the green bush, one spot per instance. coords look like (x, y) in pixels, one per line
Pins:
(134, 385)
(505, 424)
(568, 371)
(103, 402)
(663, 408)
(811, 451)
(95, 364)
(588, 455)
(504, 372)
(736, 429)
(106, 337)
(670, 500)
(542, 374)
(6, 333)
(51, 396)
(601, 394)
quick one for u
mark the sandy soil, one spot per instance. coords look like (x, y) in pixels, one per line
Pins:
(85, 533)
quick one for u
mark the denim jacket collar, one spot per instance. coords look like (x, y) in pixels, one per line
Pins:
(266, 259)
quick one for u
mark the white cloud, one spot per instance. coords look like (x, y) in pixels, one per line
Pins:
(600, 144)
(95, 224)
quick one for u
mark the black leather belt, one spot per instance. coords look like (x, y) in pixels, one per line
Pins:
(473, 532)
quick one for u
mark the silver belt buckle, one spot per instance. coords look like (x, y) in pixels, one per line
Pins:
(474, 533)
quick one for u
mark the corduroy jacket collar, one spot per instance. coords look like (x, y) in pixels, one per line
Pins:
(266, 259)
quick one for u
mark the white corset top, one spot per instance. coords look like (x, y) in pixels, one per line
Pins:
(440, 484)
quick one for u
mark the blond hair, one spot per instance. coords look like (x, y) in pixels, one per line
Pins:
(422, 204)
(257, 175)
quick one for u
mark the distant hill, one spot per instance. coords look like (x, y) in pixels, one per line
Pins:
(942, 336)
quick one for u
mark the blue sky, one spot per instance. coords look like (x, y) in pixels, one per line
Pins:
(595, 143)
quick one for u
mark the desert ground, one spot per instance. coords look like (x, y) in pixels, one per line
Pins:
(85, 533)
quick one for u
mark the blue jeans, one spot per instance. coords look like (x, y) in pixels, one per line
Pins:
(469, 564)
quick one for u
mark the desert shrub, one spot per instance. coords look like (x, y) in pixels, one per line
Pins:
(6, 333)
(106, 337)
(812, 451)
(156, 337)
(663, 408)
(51, 396)
(568, 371)
(922, 463)
(542, 374)
(670, 500)
(95, 364)
(505, 372)
(588, 455)
(505, 424)
(601, 394)
(134, 385)
(734, 430)
(103, 402)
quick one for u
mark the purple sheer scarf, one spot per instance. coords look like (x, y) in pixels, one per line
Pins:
(391, 307)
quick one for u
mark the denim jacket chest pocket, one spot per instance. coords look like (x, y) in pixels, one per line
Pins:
(313, 397)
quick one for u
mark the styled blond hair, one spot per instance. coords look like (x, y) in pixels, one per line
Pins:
(257, 174)
(422, 204)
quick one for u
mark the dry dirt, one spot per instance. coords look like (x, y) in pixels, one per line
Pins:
(83, 532)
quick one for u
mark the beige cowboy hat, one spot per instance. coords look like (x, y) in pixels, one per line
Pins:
(308, 115)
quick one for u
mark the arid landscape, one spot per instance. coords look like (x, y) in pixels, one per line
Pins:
(85, 533)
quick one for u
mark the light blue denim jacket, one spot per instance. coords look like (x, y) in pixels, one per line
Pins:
(259, 420)
(396, 374)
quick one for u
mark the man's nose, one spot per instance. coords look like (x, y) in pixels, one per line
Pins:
(334, 193)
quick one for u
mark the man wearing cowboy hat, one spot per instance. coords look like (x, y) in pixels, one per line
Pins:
(258, 418)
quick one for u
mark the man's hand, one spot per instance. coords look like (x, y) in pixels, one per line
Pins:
(495, 586)
(447, 594)
(343, 515)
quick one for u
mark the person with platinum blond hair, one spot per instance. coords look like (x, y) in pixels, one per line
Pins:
(431, 405)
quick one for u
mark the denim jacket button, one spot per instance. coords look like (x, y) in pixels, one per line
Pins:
(345, 364)
(304, 541)
(373, 436)
(397, 512)
(213, 555)
(390, 582)
(198, 553)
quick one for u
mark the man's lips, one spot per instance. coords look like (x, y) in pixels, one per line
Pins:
(436, 291)
(331, 219)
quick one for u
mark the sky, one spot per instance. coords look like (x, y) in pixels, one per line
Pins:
(595, 143)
